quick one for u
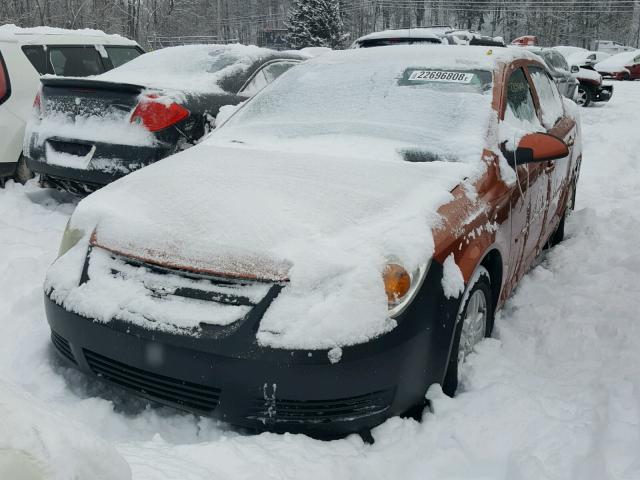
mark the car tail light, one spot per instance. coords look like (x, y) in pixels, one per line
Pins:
(5, 87)
(157, 115)
(38, 107)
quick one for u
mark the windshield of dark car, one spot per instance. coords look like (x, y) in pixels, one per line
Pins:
(407, 107)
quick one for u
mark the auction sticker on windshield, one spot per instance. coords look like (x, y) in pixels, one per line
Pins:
(440, 76)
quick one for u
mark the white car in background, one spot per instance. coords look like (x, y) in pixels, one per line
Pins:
(28, 53)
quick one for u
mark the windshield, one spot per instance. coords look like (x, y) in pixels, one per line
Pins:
(417, 112)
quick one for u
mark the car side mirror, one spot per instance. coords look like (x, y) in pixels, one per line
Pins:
(575, 68)
(537, 147)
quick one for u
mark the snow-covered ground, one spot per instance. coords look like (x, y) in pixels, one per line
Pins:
(555, 395)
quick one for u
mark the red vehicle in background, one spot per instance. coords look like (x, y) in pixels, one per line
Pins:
(525, 41)
(623, 66)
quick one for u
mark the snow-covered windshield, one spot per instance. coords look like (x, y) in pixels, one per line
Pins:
(370, 108)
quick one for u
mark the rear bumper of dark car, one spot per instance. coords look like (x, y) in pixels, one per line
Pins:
(232, 378)
(108, 163)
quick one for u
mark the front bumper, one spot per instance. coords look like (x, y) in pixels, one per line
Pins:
(603, 93)
(232, 378)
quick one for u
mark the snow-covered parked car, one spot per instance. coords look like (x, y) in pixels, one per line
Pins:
(347, 238)
(591, 87)
(559, 69)
(623, 66)
(85, 133)
(27, 53)
(585, 59)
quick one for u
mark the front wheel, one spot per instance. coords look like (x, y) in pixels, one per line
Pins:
(584, 96)
(473, 323)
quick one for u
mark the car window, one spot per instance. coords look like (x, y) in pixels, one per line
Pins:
(257, 83)
(37, 56)
(75, 61)
(636, 60)
(560, 61)
(519, 99)
(275, 69)
(121, 55)
(548, 95)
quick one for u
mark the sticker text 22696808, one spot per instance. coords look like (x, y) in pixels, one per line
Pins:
(440, 76)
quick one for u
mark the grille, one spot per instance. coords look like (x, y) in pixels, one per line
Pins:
(272, 410)
(63, 347)
(192, 396)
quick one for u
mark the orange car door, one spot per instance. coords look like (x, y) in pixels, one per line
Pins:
(556, 122)
(529, 196)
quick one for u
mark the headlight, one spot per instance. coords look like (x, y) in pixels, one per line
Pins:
(70, 238)
(401, 286)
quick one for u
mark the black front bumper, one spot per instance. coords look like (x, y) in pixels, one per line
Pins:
(232, 378)
(603, 93)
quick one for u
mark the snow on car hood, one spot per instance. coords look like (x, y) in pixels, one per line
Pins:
(332, 221)
(617, 63)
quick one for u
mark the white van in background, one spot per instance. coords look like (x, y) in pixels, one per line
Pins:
(28, 53)
(611, 47)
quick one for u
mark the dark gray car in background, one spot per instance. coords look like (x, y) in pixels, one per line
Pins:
(88, 132)
(559, 69)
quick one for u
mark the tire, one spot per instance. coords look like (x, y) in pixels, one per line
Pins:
(558, 235)
(584, 97)
(626, 76)
(479, 287)
(22, 173)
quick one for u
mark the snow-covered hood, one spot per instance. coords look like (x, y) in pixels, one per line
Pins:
(588, 74)
(617, 63)
(328, 224)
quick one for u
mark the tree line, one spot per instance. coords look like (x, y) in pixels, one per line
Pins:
(156, 23)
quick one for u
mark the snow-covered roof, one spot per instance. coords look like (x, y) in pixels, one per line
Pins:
(52, 36)
(424, 33)
(566, 50)
(436, 56)
(617, 62)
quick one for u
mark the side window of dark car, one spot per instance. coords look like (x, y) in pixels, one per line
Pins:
(257, 83)
(267, 74)
(548, 95)
(275, 69)
(520, 104)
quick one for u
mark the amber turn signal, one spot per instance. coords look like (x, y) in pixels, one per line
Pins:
(397, 282)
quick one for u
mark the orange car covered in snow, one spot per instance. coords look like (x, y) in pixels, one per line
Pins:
(350, 233)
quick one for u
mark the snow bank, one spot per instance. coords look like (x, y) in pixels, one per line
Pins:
(190, 68)
(40, 445)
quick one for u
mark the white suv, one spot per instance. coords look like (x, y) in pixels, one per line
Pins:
(28, 53)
